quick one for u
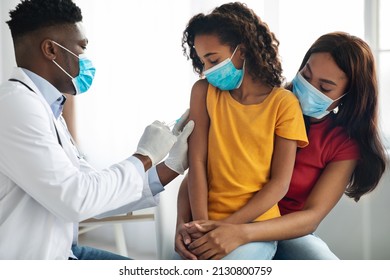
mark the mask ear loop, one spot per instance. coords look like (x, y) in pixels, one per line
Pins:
(234, 51)
(337, 109)
(63, 70)
(61, 46)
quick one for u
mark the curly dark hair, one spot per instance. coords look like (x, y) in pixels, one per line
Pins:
(234, 24)
(31, 15)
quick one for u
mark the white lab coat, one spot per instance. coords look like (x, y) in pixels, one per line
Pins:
(44, 187)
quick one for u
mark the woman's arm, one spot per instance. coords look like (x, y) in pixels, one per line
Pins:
(197, 151)
(221, 239)
(324, 196)
(275, 189)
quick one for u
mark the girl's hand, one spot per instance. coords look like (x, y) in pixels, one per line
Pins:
(182, 240)
(197, 229)
(218, 241)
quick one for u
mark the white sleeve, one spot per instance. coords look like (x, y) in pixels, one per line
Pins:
(31, 156)
(148, 199)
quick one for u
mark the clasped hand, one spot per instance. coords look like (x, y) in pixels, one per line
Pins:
(206, 239)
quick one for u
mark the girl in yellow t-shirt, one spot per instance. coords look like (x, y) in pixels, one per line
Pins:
(247, 128)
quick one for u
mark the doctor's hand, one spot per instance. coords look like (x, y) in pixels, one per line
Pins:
(180, 123)
(177, 159)
(156, 141)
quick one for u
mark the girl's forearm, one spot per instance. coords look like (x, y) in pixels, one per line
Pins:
(183, 203)
(260, 203)
(198, 193)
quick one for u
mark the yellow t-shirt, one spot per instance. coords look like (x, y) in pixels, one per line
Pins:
(241, 143)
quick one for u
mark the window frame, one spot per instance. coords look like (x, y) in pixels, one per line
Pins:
(372, 35)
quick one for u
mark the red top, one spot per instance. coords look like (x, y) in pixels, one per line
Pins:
(325, 145)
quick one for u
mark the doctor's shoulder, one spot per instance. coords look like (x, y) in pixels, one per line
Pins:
(18, 102)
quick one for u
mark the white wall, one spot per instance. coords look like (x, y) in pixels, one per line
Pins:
(7, 58)
(360, 230)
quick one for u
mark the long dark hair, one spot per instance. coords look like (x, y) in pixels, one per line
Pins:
(358, 114)
(234, 24)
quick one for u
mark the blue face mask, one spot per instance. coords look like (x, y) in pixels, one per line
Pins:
(83, 81)
(224, 75)
(313, 102)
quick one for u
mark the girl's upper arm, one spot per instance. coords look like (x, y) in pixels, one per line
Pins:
(197, 151)
(198, 113)
(283, 160)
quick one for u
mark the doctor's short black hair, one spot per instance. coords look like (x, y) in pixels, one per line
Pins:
(31, 15)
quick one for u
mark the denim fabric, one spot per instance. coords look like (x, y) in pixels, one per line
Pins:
(308, 247)
(249, 251)
(253, 251)
(89, 253)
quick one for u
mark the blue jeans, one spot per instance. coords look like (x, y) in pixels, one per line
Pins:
(308, 247)
(89, 253)
(249, 251)
(253, 251)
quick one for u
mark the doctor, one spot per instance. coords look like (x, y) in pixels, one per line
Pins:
(46, 188)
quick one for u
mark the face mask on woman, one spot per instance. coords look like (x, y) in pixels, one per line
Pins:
(313, 102)
(224, 75)
(83, 81)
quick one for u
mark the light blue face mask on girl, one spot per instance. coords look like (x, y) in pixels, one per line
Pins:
(224, 75)
(83, 81)
(313, 102)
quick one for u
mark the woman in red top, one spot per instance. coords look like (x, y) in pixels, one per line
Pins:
(337, 88)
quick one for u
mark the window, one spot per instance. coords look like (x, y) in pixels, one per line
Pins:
(377, 26)
(383, 58)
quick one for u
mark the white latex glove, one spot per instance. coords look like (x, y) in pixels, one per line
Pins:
(180, 123)
(156, 141)
(177, 159)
